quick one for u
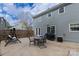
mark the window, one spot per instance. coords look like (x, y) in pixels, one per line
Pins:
(53, 29)
(61, 10)
(39, 31)
(49, 14)
(74, 27)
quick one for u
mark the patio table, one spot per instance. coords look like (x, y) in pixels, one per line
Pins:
(37, 40)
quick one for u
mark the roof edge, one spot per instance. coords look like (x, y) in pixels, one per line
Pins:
(51, 9)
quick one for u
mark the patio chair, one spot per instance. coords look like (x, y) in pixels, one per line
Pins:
(41, 42)
(31, 41)
(12, 37)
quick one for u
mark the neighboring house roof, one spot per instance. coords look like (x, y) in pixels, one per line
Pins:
(3, 23)
(2, 20)
(52, 9)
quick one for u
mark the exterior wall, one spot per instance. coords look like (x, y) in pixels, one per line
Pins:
(62, 21)
(70, 16)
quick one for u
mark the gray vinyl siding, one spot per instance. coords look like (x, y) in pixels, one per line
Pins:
(62, 21)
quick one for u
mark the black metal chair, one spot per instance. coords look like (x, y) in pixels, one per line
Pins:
(31, 41)
(41, 42)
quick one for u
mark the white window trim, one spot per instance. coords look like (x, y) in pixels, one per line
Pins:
(37, 31)
(55, 28)
(62, 12)
(70, 30)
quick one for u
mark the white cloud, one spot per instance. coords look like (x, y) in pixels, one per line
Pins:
(26, 16)
(0, 10)
(1, 15)
(10, 20)
(10, 9)
(39, 7)
(24, 13)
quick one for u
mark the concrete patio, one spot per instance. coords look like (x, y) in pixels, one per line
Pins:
(53, 49)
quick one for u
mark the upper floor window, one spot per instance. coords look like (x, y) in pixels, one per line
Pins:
(74, 27)
(49, 14)
(61, 9)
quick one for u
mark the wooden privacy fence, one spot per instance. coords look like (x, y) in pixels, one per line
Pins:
(19, 33)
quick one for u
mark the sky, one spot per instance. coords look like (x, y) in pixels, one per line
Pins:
(14, 12)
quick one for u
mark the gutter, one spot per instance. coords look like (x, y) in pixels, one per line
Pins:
(52, 9)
